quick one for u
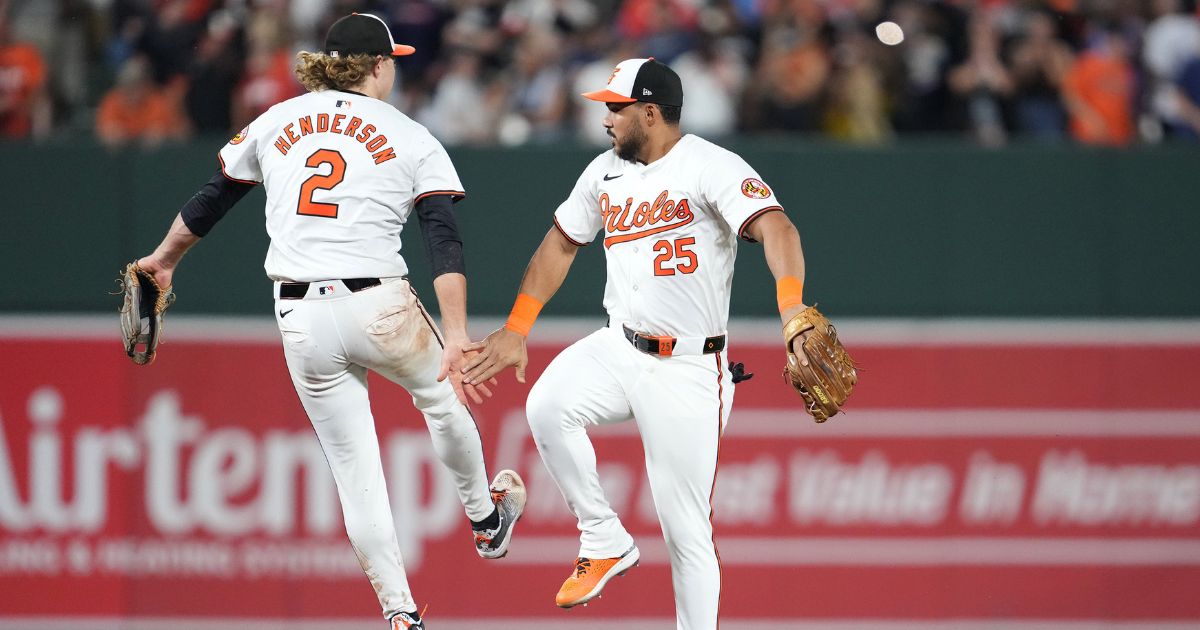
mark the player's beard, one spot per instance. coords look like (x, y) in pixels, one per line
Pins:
(631, 146)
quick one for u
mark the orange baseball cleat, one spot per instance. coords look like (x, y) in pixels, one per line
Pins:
(590, 576)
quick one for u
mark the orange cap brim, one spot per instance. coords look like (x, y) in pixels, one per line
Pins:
(400, 50)
(608, 96)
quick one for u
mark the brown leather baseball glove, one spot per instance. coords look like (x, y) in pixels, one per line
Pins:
(826, 382)
(142, 312)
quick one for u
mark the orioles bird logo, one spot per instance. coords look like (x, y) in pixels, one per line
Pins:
(755, 189)
(241, 135)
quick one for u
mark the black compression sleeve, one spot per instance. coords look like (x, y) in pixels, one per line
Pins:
(211, 202)
(442, 242)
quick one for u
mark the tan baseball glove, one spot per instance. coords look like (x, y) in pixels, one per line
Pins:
(826, 382)
(142, 312)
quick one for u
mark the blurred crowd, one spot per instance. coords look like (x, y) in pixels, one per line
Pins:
(1104, 72)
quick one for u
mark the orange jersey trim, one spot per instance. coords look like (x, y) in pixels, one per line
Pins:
(752, 218)
(457, 194)
(567, 236)
(625, 238)
(234, 179)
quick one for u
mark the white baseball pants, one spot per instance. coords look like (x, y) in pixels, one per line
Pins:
(681, 405)
(330, 339)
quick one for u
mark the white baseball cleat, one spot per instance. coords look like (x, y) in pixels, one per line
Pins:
(407, 621)
(508, 493)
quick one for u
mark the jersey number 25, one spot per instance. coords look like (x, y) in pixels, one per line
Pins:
(677, 250)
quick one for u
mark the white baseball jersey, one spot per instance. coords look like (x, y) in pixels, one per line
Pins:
(342, 173)
(670, 233)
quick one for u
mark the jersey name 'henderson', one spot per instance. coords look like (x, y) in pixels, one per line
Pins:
(340, 168)
(344, 124)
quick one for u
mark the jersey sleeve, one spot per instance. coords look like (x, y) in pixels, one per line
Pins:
(578, 217)
(435, 174)
(239, 156)
(737, 192)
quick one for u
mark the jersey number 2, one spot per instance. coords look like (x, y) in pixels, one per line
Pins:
(316, 182)
(679, 249)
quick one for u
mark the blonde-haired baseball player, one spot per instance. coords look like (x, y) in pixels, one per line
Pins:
(670, 209)
(343, 172)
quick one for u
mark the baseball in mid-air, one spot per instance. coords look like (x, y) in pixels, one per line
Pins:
(889, 33)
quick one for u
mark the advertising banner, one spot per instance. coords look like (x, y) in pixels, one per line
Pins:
(993, 476)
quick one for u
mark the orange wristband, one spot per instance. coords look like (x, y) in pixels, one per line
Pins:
(524, 312)
(789, 292)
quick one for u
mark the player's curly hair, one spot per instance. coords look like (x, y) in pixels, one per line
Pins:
(319, 71)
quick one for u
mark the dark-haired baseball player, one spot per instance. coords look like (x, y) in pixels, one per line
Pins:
(670, 209)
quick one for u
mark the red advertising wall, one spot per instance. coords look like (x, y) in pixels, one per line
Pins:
(974, 479)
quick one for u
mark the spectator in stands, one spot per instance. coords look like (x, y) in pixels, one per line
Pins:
(992, 67)
(982, 83)
(665, 28)
(563, 16)
(858, 108)
(921, 96)
(268, 77)
(717, 72)
(476, 27)
(214, 72)
(1039, 61)
(138, 111)
(419, 24)
(23, 104)
(1171, 42)
(792, 74)
(463, 109)
(537, 101)
(170, 38)
(1099, 91)
(1188, 103)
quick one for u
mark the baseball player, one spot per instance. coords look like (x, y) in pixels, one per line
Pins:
(670, 209)
(343, 171)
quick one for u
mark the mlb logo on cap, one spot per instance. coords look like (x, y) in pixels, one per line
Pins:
(363, 33)
(641, 80)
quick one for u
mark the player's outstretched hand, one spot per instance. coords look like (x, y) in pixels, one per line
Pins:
(502, 349)
(454, 358)
(154, 266)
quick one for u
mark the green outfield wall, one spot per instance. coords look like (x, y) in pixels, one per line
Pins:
(914, 230)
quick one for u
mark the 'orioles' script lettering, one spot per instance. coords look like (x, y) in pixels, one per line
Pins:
(624, 223)
(323, 123)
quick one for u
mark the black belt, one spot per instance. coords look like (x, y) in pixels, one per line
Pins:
(297, 290)
(663, 346)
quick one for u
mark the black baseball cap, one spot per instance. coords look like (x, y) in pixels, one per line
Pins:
(641, 80)
(363, 33)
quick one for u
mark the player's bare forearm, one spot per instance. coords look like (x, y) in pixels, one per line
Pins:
(451, 290)
(785, 257)
(175, 244)
(505, 347)
(781, 247)
(162, 262)
(549, 266)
